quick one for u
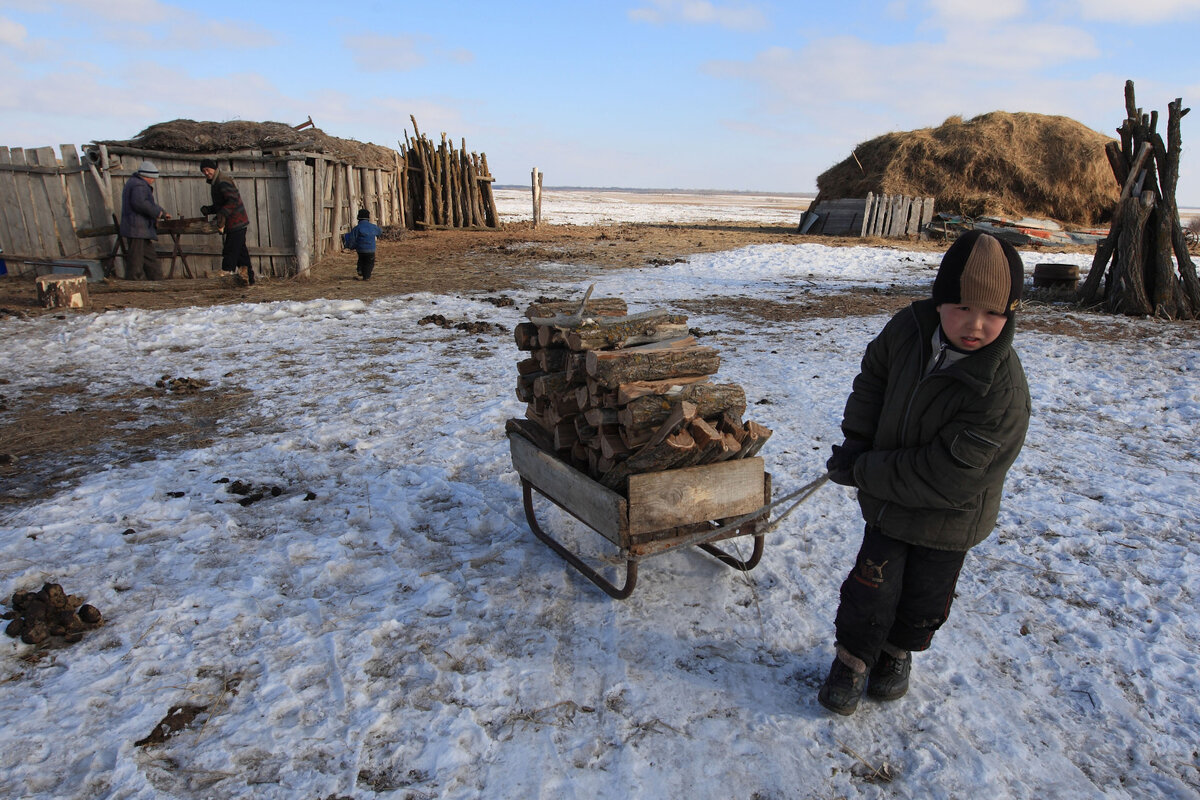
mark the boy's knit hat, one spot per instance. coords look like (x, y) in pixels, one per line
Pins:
(207, 163)
(148, 169)
(364, 214)
(980, 270)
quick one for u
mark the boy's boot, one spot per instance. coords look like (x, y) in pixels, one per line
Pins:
(844, 685)
(889, 676)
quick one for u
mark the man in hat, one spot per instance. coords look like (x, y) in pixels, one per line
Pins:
(232, 218)
(140, 214)
(935, 419)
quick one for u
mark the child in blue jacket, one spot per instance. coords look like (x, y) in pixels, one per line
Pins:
(362, 239)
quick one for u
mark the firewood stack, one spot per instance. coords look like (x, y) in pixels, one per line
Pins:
(616, 394)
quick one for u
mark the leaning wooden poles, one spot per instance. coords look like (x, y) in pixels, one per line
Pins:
(1135, 262)
(447, 187)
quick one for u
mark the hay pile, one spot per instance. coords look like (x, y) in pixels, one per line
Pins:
(1001, 163)
(189, 136)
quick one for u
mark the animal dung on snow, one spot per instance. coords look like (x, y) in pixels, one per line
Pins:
(49, 612)
(615, 394)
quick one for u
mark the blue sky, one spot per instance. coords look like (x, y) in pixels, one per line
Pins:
(760, 96)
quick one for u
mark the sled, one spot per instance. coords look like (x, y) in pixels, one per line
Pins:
(662, 511)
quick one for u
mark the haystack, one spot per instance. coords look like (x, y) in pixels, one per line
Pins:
(1001, 163)
(189, 136)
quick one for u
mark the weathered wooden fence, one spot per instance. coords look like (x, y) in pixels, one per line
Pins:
(68, 208)
(888, 216)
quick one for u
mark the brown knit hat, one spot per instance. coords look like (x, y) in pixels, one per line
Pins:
(980, 270)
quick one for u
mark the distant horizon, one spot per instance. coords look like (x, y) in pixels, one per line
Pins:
(636, 190)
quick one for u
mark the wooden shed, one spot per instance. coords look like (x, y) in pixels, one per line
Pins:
(64, 209)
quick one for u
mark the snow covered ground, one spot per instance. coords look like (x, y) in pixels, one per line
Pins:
(402, 634)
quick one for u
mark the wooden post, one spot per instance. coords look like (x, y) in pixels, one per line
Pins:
(868, 210)
(302, 216)
(537, 197)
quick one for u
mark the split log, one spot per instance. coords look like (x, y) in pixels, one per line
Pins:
(62, 291)
(536, 434)
(549, 384)
(528, 366)
(553, 359)
(756, 436)
(656, 454)
(586, 431)
(611, 368)
(550, 337)
(631, 330)
(627, 392)
(525, 386)
(526, 335)
(711, 399)
(596, 307)
(611, 446)
(565, 436)
(565, 404)
(601, 416)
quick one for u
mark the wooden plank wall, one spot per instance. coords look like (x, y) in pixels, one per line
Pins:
(886, 216)
(45, 203)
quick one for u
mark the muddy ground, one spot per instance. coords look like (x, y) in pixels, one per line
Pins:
(39, 451)
(444, 261)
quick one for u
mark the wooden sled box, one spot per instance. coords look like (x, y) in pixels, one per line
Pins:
(664, 510)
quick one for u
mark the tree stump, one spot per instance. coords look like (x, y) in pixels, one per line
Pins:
(62, 291)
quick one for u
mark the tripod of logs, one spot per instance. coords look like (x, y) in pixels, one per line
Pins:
(1141, 278)
(445, 187)
(615, 394)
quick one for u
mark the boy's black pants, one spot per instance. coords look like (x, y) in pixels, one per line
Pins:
(366, 264)
(898, 593)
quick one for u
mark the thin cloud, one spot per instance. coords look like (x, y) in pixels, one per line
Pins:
(402, 53)
(855, 71)
(969, 11)
(700, 12)
(12, 34)
(1143, 12)
(123, 12)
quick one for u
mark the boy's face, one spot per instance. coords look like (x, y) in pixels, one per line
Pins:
(970, 328)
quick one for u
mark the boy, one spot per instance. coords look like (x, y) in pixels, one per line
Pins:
(935, 419)
(362, 238)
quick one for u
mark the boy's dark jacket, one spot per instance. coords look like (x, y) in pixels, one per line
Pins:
(941, 443)
(361, 237)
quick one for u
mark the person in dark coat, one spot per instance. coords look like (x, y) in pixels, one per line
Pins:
(140, 214)
(232, 219)
(361, 238)
(936, 417)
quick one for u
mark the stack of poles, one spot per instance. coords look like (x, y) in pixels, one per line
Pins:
(615, 394)
(447, 187)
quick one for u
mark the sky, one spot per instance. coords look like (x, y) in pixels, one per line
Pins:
(686, 94)
(386, 625)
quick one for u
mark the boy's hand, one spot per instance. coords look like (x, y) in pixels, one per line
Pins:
(841, 463)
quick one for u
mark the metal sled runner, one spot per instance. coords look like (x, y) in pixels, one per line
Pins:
(664, 510)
